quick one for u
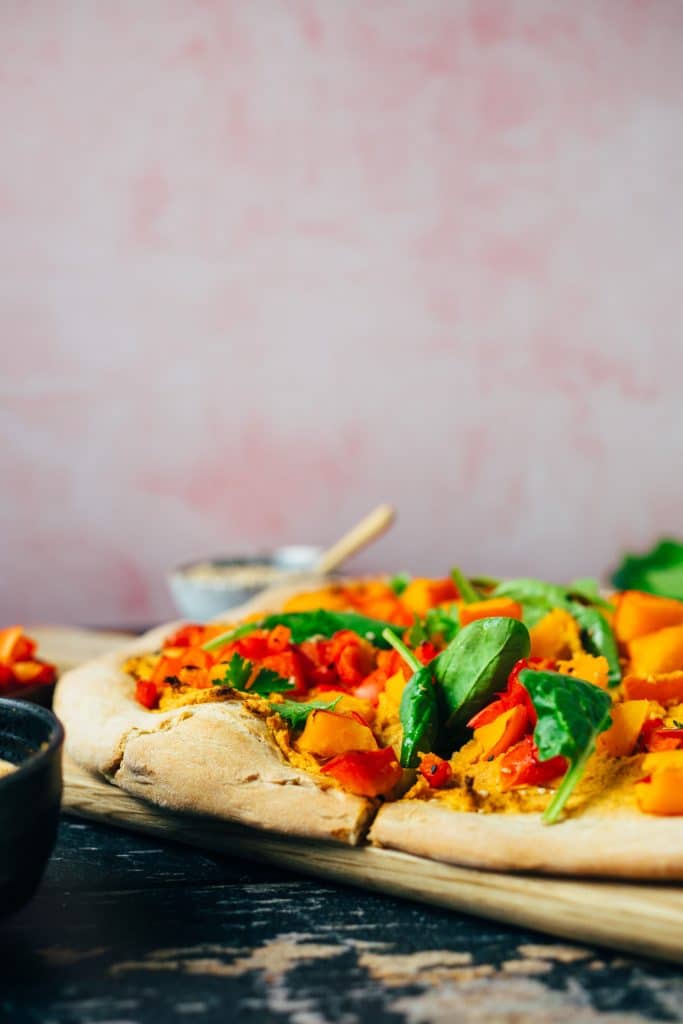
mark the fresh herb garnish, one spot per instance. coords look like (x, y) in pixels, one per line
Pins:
(437, 625)
(399, 583)
(239, 672)
(571, 715)
(295, 712)
(467, 592)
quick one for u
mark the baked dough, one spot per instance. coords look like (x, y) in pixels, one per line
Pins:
(214, 758)
(618, 845)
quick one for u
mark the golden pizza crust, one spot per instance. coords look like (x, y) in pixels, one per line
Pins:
(620, 844)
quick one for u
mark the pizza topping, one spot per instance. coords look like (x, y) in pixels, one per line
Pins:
(521, 766)
(656, 736)
(295, 712)
(571, 716)
(628, 719)
(147, 693)
(665, 687)
(18, 664)
(328, 733)
(638, 614)
(493, 607)
(435, 771)
(422, 594)
(657, 653)
(474, 666)
(506, 730)
(661, 792)
(242, 675)
(309, 624)
(437, 626)
(367, 773)
(598, 639)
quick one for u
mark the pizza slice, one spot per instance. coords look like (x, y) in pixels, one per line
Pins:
(281, 720)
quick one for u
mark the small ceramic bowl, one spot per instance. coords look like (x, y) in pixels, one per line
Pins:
(206, 588)
(31, 738)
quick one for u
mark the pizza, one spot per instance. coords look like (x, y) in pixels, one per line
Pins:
(514, 725)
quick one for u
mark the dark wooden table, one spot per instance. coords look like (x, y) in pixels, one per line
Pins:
(126, 930)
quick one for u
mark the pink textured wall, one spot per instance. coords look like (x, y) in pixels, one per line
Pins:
(264, 264)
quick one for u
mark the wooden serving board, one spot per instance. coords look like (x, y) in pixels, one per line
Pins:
(639, 918)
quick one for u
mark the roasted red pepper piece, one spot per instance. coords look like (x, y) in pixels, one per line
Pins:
(15, 645)
(514, 694)
(656, 736)
(435, 770)
(367, 772)
(520, 766)
(34, 673)
(191, 635)
(146, 693)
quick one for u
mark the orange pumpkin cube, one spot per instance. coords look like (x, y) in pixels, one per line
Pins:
(327, 734)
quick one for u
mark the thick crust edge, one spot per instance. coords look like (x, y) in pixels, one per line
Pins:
(627, 846)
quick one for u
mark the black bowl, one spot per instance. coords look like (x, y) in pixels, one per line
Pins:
(31, 738)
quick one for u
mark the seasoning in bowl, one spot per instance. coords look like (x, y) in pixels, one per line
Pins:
(210, 586)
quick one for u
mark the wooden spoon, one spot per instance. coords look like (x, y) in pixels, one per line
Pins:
(363, 533)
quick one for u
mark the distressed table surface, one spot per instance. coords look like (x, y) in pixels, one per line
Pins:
(128, 930)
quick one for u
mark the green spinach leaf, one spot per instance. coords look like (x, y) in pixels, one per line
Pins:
(598, 638)
(418, 711)
(419, 716)
(322, 622)
(474, 666)
(571, 715)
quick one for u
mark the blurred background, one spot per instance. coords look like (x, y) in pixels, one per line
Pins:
(265, 264)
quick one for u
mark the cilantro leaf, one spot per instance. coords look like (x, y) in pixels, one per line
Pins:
(571, 715)
(238, 674)
(296, 712)
(267, 682)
